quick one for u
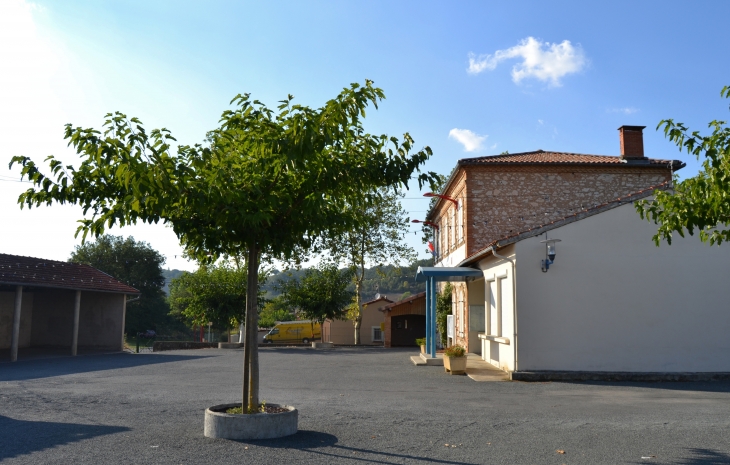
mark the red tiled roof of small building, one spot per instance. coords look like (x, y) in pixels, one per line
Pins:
(38, 272)
(382, 297)
(404, 301)
(543, 157)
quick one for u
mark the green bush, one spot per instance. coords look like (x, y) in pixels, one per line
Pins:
(455, 351)
(421, 341)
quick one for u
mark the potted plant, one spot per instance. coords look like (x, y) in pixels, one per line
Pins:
(455, 360)
(421, 341)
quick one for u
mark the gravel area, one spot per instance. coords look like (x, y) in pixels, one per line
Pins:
(356, 405)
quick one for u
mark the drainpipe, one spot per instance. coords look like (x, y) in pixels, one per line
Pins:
(514, 302)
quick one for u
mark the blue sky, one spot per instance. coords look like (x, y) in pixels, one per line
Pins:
(557, 76)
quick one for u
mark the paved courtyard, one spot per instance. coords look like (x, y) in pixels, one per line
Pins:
(356, 406)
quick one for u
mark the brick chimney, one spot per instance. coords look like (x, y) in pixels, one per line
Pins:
(632, 141)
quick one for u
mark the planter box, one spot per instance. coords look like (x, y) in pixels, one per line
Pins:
(455, 365)
(219, 424)
(322, 345)
(229, 345)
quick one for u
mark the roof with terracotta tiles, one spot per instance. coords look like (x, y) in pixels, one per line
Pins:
(404, 301)
(382, 297)
(537, 230)
(38, 272)
(562, 158)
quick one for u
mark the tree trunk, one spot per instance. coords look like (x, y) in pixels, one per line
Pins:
(252, 324)
(358, 320)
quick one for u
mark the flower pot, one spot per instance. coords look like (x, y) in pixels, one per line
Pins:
(423, 349)
(455, 365)
(219, 424)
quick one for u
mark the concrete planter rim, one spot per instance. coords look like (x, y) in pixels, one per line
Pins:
(219, 424)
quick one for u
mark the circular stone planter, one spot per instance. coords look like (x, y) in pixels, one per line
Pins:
(322, 345)
(219, 424)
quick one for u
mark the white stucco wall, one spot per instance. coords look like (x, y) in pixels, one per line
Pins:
(498, 348)
(613, 301)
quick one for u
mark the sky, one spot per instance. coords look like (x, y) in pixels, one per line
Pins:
(464, 78)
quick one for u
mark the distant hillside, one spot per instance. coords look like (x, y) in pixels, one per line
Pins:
(392, 281)
(169, 276)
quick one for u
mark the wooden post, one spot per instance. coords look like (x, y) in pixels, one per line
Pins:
(16, 324)
(77, 312)
(124, 318)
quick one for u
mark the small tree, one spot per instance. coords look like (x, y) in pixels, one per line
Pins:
(275, 310)
(138, 265)
(379, 237)
(701, 202)
(269, 183)
(211, 294)
(443, 310)
(321, 294)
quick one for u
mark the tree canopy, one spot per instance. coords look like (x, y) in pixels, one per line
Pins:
(138, 265)
(320, 294)
(214, 294)
(269, 182)
(701, 202)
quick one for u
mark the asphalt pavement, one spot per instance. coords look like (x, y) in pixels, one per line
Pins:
(356, 406)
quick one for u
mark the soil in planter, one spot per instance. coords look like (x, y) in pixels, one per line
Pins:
(261, 409)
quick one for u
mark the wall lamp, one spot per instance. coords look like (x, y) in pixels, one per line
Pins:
(427, 223)
(445, 197)
(549, 254)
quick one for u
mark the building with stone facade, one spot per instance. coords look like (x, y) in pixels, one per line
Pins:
(608, 301)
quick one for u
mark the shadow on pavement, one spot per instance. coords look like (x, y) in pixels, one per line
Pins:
(699, 456)
(46, 368)
(697, 386)
(24, 437)
(312, 441)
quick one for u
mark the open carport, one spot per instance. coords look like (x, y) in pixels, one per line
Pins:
(48, 307)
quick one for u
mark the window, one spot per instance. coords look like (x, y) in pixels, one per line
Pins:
(377, 334)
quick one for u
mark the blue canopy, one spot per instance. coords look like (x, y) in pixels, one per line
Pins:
(431, 274)
(442, 273)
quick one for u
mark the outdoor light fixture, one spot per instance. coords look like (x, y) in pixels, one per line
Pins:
(445, 197)
(427, 223)
(549, 253)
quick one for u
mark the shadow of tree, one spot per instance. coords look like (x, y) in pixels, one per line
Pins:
(322, 444)
(697, 456)
(45, 368)
(21, 437)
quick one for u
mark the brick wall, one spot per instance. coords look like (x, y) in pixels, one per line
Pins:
(506, 200)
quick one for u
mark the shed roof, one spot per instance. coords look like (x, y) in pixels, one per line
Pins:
(17, 270)
(420, 295)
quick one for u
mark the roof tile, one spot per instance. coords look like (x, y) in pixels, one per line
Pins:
(39, 272)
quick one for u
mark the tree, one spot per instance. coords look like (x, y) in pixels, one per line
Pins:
(270, 183)
(212, 293)
(701, 202)
(321, 294)
(379, 237)
(275, 310)
(443, 310)
(135, 264)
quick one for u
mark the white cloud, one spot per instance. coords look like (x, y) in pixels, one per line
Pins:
(540, 122)
(625, 110)
(540, 60)
(468, 139)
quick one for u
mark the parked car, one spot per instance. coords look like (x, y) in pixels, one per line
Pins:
(149, 334)
(294, 332)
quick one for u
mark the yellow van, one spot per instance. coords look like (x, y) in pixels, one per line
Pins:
(294, 332)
